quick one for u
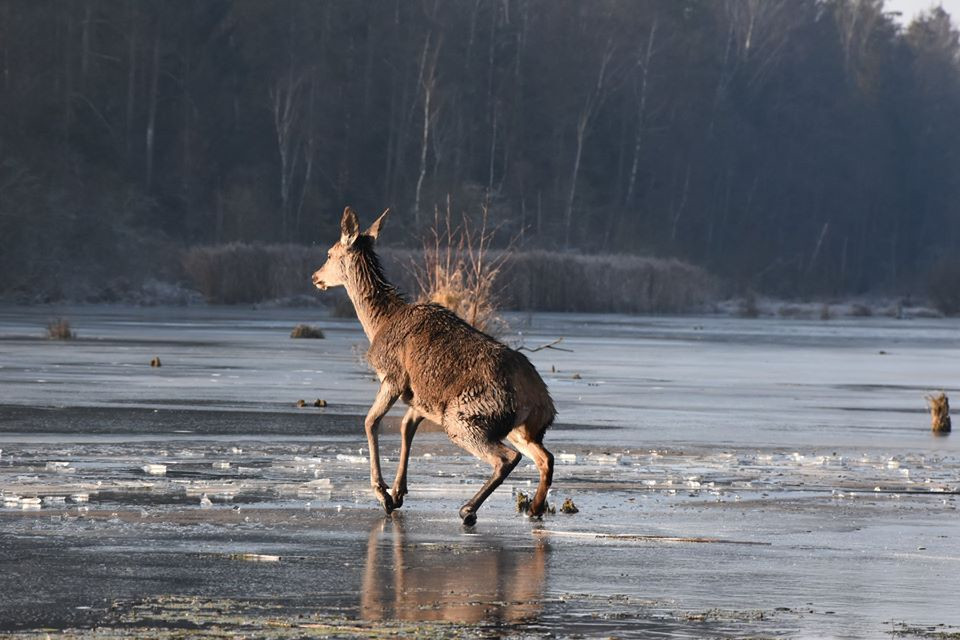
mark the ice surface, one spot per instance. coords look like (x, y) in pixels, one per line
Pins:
(734, 477)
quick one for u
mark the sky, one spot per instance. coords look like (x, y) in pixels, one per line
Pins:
(910, 8)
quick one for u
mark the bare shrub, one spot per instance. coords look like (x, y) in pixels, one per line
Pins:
(748, 306)
(59, 329)
(460, 273)
(861, 310)
(939, 412)
(791, 311)
(943, 286)
(305, 331)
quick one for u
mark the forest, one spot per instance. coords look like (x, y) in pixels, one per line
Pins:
(791, 147)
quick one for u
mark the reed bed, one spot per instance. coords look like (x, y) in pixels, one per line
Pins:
(526, 280)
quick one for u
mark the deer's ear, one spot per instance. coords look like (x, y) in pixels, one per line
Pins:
(349, 227)
(374, 230)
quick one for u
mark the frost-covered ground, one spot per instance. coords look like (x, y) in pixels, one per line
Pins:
(735, 478)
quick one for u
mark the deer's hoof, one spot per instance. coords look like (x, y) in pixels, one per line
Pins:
(385, 500)
(397, 499)
(469, 516)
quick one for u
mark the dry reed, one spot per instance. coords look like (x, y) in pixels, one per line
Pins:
(458, 271)
(59, 329)
(307, 332)
(939, 412)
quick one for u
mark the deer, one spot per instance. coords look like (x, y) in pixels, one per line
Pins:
(477, 389)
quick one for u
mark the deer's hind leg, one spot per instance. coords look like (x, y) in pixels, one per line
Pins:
(408, 428)
(531, 447)
(501, 457)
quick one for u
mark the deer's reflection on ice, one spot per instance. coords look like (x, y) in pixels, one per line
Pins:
(480, 580)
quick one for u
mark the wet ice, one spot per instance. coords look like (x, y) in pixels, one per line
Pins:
(785, 434)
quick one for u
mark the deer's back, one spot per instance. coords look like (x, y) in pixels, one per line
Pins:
(444, 367)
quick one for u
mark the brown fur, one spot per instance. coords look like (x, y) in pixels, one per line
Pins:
(478, 389)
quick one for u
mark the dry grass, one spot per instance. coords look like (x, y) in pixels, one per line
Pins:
(526, 280)
(59, 329)
(939, 412)
(459, 272)
(307, 332)
(523, 502)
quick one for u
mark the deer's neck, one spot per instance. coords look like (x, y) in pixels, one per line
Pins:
(374, 299)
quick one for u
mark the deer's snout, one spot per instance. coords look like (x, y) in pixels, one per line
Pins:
(317, 282)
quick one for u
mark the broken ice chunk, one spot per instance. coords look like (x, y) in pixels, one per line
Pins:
(30, 503)
(80, 497)
(205, 502)
(604, 458)
(221, 465)
(256, 557)
(155, 469)
(567, 458)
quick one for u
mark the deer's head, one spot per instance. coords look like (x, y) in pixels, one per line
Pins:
(343, 254)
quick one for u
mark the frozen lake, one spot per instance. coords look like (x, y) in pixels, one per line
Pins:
(735, 478)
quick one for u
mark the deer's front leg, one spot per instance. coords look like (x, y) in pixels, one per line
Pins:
(385, 399)
(408, 428)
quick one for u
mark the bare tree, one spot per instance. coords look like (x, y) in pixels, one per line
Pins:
(856, 22)
(428, 85)
(588, 112)
(131, 75)
(150, 133)
(285, 102)
(643, 64)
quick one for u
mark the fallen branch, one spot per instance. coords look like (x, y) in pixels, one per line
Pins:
(549, 345)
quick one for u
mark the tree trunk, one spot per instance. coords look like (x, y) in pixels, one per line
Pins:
(572, 193)
(152, 111)
(284, 98)
(678, 212)
(85, 39)
(186, 159)
(493, 151)
(310, 145)
(590, 106)
(6, 48)
(131, 75)
(428, 75)
(67, 115)
(641, 113)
